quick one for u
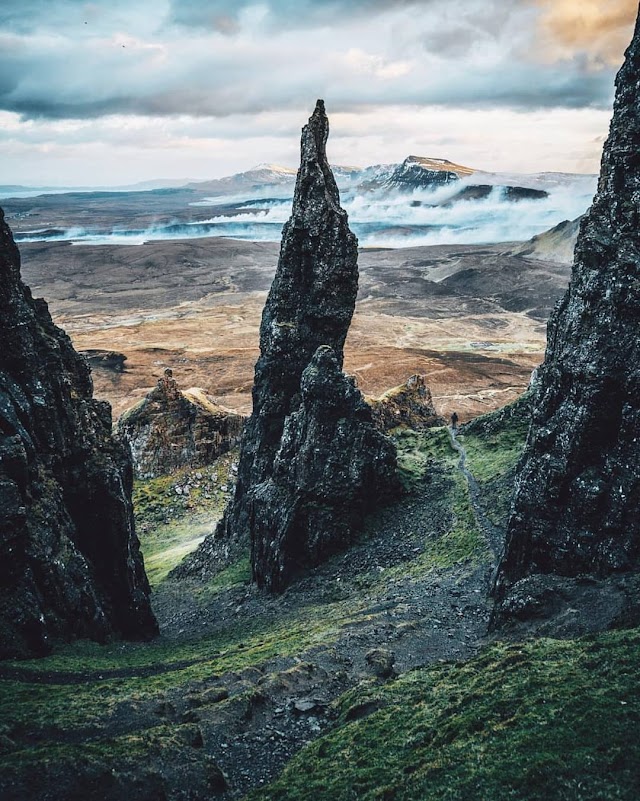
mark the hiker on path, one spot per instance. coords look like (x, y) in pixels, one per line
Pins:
(454, 421)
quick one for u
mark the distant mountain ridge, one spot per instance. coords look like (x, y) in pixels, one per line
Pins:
(413, 172)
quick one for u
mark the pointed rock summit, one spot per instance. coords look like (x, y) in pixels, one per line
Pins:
(173, 428)
(409, 405)
(577, 502)
(70, 563)
(292, 520)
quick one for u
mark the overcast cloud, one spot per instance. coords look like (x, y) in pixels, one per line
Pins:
(200, 88)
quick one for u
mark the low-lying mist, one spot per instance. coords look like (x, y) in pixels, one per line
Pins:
(378, 218)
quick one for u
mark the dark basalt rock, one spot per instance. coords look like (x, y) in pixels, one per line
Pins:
(513, 194)
(517, 193)
(577, 501)
(173, 428)
(310, 304)
(411, 174)
(332, 467)
(70, 564)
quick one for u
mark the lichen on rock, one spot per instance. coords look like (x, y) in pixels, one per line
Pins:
(173, 428)
(577, 498)
(70, 563)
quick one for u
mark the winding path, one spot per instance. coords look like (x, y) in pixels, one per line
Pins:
(493, 535)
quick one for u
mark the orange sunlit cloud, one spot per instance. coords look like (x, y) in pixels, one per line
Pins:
(600, 28)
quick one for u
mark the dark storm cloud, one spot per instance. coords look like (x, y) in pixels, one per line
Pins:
(65, 59)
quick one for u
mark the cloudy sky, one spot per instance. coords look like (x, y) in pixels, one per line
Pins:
(126, 90)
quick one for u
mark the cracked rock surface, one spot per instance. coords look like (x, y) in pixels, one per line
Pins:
(578, 486)
(70, 563)
(310, 306)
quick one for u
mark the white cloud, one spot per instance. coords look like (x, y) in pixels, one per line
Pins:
(479, 81)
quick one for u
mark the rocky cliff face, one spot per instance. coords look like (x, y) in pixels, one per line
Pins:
(172, 428)
(577, 499)
(409, 405)
(332, 467)
(310, 305)
(70, 564)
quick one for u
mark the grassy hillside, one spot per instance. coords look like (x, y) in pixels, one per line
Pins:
(239, 682)
(540, 721)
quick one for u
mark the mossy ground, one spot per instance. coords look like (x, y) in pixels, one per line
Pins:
(544, 720)
(77, 714)
(540, 721)
(428, 456)
(494, 444)
(171, 523)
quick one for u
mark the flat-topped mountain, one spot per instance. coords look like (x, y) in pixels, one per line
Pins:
(417, 172)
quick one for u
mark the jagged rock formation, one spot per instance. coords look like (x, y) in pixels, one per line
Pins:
(577, 501)
(332, 467)
(70, 564)
(172, 428)
(410, 405)
(310, 305)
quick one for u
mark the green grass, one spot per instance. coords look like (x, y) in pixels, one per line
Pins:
(171, 525)
(147, 672)
(463, 540)
(541, 721)
(156, 668)
(419, 452)
(427, 463)
(234, 575)
(494, 442)
(495, 455)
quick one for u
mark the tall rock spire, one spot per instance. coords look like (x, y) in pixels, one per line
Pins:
(577, 501)
(310, 304)
(70, 563)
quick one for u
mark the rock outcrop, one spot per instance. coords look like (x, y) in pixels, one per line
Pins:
(409, 405)
(577, 500)
(70, 564)
(332, 467)
(109, 360)
(557, 244)
(310, 305)
(173, 428)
